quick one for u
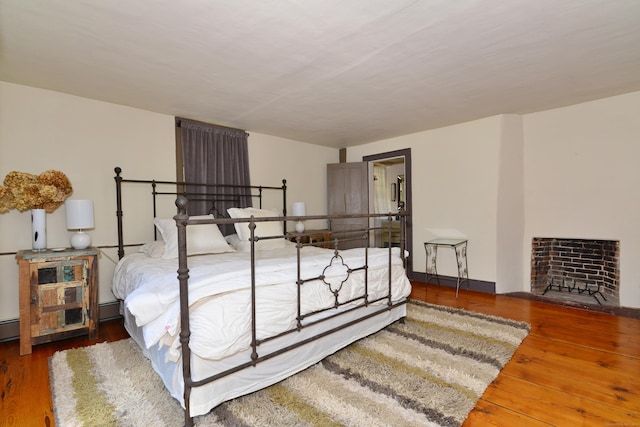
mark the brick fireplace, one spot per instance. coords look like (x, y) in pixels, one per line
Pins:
(583, 270)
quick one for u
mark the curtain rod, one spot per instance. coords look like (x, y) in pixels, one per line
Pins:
(179, 124)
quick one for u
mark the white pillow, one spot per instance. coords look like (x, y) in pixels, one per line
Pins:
(201, 238)
(245, 245)
(263, 229)
(153, 249)
(237, 244)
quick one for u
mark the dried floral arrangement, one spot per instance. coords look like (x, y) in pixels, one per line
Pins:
(25, 191)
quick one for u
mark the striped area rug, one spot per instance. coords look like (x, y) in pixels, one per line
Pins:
(429, 371)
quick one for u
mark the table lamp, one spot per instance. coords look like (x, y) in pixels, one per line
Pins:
(79, 217)
(299, 209)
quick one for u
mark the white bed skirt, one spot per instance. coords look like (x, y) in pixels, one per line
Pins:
(266, 373)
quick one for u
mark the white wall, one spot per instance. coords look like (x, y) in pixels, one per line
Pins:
(510, 209)
(500, 181)
(468, 179)
(304, 166)
(454, 184)
(581, 179)
(86, 139)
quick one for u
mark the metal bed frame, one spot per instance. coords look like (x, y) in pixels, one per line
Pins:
(183, 221)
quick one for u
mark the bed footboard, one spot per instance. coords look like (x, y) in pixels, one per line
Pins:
(335, 268)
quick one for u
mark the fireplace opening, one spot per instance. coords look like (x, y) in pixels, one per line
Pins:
(578, 270)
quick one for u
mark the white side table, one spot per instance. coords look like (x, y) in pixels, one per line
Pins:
(460, 248)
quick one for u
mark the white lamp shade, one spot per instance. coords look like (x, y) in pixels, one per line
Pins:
(79, 217)
(79, 214)
(299, 209)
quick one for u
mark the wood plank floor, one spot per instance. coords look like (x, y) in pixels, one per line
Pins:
(576, 367)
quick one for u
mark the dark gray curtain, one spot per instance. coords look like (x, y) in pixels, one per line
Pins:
(219, 156)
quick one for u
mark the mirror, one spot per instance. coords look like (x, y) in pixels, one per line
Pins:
(388, 197)
(388, 188)
(400, 192)
(397, 169)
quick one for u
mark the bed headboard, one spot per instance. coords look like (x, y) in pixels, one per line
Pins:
(214, 195)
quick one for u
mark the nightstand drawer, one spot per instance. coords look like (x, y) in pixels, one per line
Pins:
(58, 296)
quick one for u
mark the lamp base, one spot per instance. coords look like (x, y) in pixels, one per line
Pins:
(299, 227)
(80, 240)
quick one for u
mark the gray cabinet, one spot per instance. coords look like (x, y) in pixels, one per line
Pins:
(348, 193)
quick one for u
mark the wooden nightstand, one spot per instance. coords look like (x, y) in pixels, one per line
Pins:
(58, 295)
(321, 238)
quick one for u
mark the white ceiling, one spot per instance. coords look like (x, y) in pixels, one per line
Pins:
(329, 72)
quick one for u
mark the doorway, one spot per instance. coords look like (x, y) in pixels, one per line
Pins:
(390, 189)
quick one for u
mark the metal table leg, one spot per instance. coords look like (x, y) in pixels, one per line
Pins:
(463, 268)
(460, 248)
(432, 256)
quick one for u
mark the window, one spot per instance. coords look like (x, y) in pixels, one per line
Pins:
(217, 156)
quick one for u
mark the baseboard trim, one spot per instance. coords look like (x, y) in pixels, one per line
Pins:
(10, 329)
(450, 282)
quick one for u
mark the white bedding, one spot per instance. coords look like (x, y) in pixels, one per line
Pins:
(219, 292)
(267, 372)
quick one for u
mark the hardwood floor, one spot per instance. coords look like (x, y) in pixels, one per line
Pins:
(576, 367)
(26, 396)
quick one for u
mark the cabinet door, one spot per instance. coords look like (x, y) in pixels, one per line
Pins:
(59, 296)
(348, 193)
